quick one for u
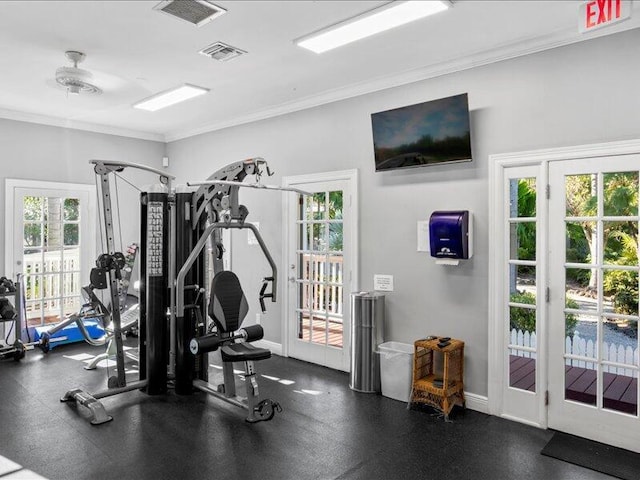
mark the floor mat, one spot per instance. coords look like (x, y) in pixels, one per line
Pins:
(593, 455)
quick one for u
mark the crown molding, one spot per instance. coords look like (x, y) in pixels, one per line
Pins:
(79, 125)
(474, 60)
(477, 59)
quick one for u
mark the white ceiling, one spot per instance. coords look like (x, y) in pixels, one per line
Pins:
(135, 51)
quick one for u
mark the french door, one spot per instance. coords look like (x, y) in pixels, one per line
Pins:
(321, 267)
(50, 240)
(521, 288)
(564, 282)
(593, 307)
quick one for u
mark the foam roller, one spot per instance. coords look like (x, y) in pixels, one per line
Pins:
(252, 333)
(206, 343)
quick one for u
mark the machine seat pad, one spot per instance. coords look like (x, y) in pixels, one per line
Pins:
(244, 352)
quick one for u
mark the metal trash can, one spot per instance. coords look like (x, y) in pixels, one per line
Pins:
(367, 332)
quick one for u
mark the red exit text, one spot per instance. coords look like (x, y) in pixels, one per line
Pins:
(599, 13)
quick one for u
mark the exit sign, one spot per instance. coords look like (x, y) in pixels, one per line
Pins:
(596, 14)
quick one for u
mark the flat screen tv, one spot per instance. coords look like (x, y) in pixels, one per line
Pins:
(429, 133)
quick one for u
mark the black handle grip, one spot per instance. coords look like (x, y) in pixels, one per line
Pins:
(265, 284)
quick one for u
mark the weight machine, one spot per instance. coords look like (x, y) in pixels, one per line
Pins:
(174, 334)
(107, 274)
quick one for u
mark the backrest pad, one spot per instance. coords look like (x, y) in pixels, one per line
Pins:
(227, 304)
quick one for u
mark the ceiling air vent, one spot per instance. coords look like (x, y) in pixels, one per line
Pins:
(221, 51)
(196, 12)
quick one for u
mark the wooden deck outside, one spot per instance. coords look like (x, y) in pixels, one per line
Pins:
(317, 332)
(620, 391)
(522, 373)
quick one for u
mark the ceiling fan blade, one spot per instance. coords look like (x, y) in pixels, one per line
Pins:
(108, 81)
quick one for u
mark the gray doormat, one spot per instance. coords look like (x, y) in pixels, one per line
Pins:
(593, 455)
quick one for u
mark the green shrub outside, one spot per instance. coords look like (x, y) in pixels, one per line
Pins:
(623, 285)
(525, 319)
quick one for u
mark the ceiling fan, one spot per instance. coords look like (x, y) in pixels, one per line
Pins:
(76, 80)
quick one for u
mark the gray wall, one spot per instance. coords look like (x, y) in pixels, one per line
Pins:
(38, 152)
(583, 93)
(578, 94)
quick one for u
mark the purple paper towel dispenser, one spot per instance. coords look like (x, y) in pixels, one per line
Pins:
(450, 234)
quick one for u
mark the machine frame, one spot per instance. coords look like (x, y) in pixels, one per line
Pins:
(176, 225)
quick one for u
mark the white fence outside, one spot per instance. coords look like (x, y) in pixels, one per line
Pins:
(53, 261)
(52, 283)
(326, 293)
(582, 347)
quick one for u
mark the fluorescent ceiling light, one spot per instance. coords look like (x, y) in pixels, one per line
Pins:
(369, 23)
(170, 97)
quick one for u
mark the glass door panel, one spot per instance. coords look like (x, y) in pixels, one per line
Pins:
(320, 281)
(522, 288)
(51, 257)
(320, 250)
(594, 330)
(602, 226)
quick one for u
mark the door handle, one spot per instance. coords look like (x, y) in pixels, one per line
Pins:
(292, 279)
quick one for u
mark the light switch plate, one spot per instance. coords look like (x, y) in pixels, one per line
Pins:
(251, 238)
(423, 236)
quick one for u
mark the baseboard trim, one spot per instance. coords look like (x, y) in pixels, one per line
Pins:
(476, 402)
(276, 348)
(473, 401)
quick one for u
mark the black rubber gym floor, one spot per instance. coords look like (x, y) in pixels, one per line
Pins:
(326, 431)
